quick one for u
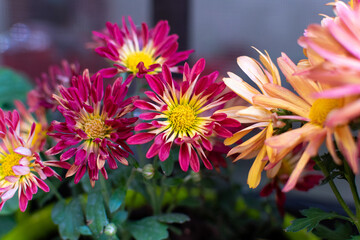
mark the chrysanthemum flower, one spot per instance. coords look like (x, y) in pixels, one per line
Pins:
(20, 167)
(139, 51)
(180, 115)
(312, 111)
(41, 126)
(48, 84)
(336, 40)
(333, 51)
(261, 119)
(95, 127)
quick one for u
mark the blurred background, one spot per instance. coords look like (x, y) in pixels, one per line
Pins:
(37, 33)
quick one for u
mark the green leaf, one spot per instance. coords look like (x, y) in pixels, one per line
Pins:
(167, 166)
(116, 199)
(341, 231)
(11, 206)
(148, 229)
(173, 218)
(95, 213)
(312, 218)
(13, 86)
(120, 217)
(85, 230)
(69, 217)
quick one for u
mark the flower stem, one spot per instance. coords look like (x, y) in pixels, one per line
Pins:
(54, 190)
(337, 194)
(350, 177)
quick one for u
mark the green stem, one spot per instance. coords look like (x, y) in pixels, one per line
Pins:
(153, 198)
(104, 190)
(350, 177)
(54, 190)
(337, 194)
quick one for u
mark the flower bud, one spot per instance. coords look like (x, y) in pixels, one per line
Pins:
(148, 171)
(110, 229)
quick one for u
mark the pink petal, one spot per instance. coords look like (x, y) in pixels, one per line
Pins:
(219, 116)
(80, 157)
(12, 179)
(41, 184)
(9, 194)
(165, 151)
(140, 138)
(79, 174)
(23, 151)
(184, 157)
(143, 105)
(23, 202)
(143, 126)
(339, 92)
(194, 161)
(148, 116)
(21, 170)
(155, 84)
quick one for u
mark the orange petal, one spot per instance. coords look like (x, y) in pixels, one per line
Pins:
(280, 92)
(240, 87)
(254, 176)
(310, 151)
(270, 102)
(347, 146)
(253, 71)
(303, 86)
(236, 136)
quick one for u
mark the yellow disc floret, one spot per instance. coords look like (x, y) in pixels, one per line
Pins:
(182, 118)
(133, 59)
(96, 128)
(7, 161)
(321, 108)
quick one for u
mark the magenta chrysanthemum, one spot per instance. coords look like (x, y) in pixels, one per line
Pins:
(49, 83)
(139, 51)
(95, 128)
(180, 115)
(20, 166)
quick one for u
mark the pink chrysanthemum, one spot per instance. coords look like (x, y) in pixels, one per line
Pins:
(48, 84)
(95, 128)
(139, 51)
(180, 115)
(20, 167)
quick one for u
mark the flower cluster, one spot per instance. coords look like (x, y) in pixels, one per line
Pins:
(282, 130)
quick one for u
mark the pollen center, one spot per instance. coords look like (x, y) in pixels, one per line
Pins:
(321, 108)
(182, 118)
(95, 128)
(7, 162)
(133, 60)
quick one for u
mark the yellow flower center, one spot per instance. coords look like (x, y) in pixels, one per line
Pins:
(96, 128)
(133, 60)
(321, 108)
(7, 162)
(182, 118)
